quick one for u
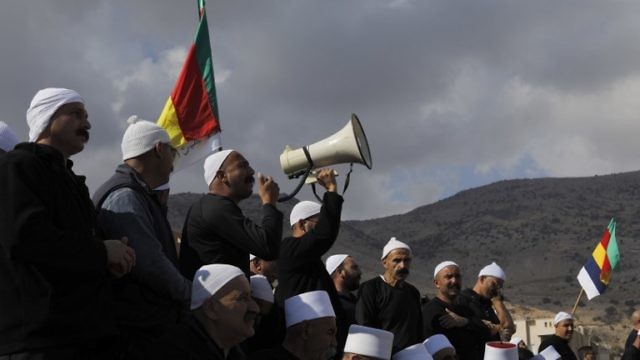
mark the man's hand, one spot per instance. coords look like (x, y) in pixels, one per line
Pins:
(267, 189)
(327, 179)
(494, 328)
(451, 320)
(120, 258)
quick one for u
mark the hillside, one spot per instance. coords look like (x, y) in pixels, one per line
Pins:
(541, 231)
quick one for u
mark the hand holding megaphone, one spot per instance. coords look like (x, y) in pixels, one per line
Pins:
(267, 189)
(327, 179)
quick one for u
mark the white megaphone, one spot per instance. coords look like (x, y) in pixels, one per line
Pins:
(348, 145)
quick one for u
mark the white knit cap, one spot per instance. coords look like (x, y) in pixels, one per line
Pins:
(304, 210)
(413, 352)
(140, 137)
(443, 265)
(393, 244)
(8, 138)
(261, 289)
(367, 341)
(561, 316)
(212, 164)
(550, 353)
(334, 261)
(44, 104)
(307, 306)
(436, 343)
(498, 350)
(494, 270)
(209, 279)
(515, 340)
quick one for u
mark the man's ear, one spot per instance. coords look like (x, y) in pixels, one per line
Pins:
(157, 150)
(210, 308)
(306, 330)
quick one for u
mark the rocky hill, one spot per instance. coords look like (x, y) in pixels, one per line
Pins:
(541, 231)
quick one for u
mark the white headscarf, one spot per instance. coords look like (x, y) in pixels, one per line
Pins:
(8, 138)
(44, 104)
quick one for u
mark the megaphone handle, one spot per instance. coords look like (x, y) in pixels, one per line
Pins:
(313, 187)
(304, 177)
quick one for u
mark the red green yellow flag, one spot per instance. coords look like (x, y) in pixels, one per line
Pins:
(190, 115)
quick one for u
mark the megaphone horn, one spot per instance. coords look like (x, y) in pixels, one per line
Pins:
(348, 145)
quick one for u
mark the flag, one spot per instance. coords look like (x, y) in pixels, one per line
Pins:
(190, 115)
(595, 274)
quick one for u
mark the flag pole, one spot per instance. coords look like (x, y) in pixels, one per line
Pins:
(577, 301)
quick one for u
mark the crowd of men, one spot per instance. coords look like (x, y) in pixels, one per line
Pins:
(101, 278)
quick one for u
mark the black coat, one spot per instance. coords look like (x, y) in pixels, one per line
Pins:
(217, 232)
(55, 287)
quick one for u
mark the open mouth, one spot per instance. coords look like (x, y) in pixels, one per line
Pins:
(83, 133)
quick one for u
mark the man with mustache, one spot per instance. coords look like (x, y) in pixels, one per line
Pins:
(216, 231)
(311, 329)
(346, 275)
(389, 302)
(486, 301)
(55, 268)
(153, 297)
(222, 316)
(443, 315)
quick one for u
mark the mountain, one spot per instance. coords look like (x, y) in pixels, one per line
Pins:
(541, 231)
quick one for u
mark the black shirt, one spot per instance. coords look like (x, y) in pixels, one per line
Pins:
(468, 340)
(279, 353)
(561, 345)
(395, 309)
(217, 232)
(482, 308)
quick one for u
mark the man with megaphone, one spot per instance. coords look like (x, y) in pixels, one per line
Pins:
(314, 229)
(216, 231)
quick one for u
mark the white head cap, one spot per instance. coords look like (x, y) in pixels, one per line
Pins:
(212, 164)
(251, 257)
(334, 261)
(561, 316)
(494, 270)
(140, 137)
(443, 265)
(549, 353)
(44, 104)
(515, 340)
(209, 279)
(304, 210)
(436, 343)
(366, 341)
(308, 306)
(413, 352)
(393, 244)
(8, 138)
(261, 289)
(497, 350)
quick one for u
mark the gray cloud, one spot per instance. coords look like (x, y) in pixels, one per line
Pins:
(451, 94)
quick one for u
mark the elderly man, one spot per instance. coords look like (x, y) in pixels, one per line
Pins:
(487, 302)
(8, 139)
(413, 352)
(311, 329)
(632, 344)
(152, 298)
(55, 273)
(389, 302)
(216, 231)
(346, 275)
(563, 324)
(443, 315)
(222, 316)
(366, 343)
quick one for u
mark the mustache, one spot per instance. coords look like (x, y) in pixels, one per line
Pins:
(404, 271)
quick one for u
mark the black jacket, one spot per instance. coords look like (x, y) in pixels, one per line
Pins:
(55, 287)
(217, 232)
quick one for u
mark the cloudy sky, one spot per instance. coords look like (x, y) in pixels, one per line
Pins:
(451, 94)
